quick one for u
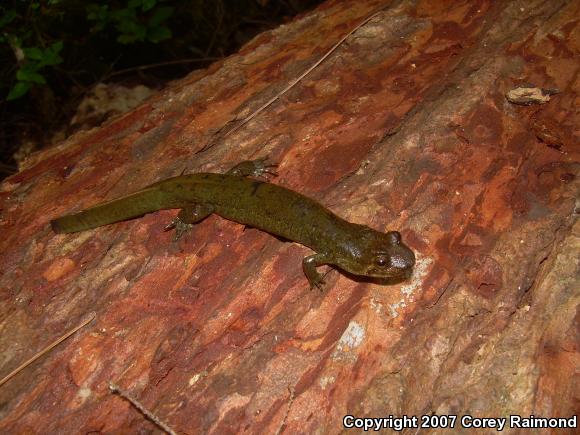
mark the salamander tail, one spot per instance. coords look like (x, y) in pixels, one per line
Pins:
(137, 204)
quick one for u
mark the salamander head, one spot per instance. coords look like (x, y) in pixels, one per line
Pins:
(380, 255)
(392, 259)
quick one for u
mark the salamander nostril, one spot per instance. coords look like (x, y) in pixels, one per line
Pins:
(399, 262)
(404, 259)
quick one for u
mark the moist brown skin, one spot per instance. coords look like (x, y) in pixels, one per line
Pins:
(354, 248)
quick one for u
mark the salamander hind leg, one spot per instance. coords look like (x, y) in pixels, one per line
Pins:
(253, 168)
(188, 216)
(309, 265)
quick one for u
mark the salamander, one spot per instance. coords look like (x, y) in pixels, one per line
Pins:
(354, 248)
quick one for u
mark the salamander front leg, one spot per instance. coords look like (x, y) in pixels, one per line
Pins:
(253, 168)
(309, 265)
(188, 216)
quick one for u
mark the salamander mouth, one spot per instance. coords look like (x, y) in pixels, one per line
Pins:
(391, 273)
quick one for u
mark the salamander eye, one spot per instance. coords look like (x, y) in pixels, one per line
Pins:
(382, 261)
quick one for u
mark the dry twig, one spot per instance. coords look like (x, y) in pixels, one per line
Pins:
(141, 408)
(55, 343)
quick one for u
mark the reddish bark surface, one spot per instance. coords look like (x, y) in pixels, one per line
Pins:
(405, 127)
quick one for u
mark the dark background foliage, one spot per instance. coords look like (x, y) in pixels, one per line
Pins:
(52, 52)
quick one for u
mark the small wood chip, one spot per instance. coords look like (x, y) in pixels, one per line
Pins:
(526, 96)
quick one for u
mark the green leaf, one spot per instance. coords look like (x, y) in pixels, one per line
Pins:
(148, 4)
(100, 15)
(33, 53)
(157, 34)
(7, 18)
(160, 15)
(29, 75)
(134, 4)
(124, 17)
(126, 39)
(130, 29)
(98, 12)
(57, 46)
(18, 90)
(128, 26)
(51, 56)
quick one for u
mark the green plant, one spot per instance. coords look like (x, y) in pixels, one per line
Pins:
(33, 61)
(53, 51)
(139, 21)
(28, 30)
